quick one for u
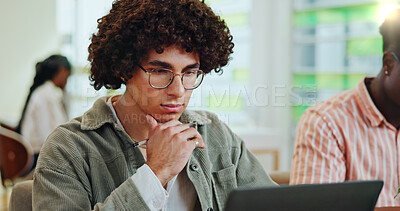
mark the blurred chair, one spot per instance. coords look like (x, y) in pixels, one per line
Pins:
(16, 155)
(259, 153)
(21, 196)
(280, 177)
(7, 126)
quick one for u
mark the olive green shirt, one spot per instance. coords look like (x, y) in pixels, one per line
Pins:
(87, 164)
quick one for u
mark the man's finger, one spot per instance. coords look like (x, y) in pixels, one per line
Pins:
(175, 129)
(193, 134)
(200, 144)
(168, 124)
(152, 124)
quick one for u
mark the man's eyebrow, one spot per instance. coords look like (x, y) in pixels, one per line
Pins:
(195, 65)
(159, 63)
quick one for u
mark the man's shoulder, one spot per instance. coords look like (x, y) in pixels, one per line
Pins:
(72, 141)
(67, 131)
(72, 136)
(67, 140)
(342, 102)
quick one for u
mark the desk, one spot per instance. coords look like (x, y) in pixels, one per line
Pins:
(387, 209)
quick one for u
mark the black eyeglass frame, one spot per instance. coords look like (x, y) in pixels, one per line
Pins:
(172, 78)
(395, 56)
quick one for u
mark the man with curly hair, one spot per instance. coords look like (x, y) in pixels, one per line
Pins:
(143, 150)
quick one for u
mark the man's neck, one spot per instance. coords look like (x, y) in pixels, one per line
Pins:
(132, 119)
(389, 109)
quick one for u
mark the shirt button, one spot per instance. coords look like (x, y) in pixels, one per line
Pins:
(194, 167)
(157, 204)
(210, 209)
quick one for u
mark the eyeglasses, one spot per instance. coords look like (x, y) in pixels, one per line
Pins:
(395, 56)
(161, 78)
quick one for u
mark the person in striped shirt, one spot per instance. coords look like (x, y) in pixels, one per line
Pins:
(355, 134)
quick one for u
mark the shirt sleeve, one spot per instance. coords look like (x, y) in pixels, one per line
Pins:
(318, 155)
(61, 183)
(150, 188)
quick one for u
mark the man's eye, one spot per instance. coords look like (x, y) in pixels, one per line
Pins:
(190, 72)
(160, 71)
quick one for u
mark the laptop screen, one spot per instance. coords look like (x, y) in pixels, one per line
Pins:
(351, 195)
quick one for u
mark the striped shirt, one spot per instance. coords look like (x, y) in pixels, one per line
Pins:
(347, 138)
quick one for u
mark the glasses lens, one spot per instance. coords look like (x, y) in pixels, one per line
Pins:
(192, 78)
(160, 78)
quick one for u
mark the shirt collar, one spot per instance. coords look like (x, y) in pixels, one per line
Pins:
(98, 115)
(368, 107)
(101, 114)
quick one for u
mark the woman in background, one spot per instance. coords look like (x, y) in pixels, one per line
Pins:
(44, 108)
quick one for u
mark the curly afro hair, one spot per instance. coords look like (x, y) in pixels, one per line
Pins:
(133, 27)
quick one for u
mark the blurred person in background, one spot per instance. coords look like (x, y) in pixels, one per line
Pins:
(45, 106)
(355, 135)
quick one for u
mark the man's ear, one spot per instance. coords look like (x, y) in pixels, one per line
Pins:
(387, 62)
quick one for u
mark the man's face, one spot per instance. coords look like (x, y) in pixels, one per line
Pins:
(392, 83)
(168, 103)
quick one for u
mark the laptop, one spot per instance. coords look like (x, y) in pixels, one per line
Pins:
(351, 195)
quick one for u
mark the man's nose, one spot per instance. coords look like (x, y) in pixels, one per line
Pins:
(176, 87)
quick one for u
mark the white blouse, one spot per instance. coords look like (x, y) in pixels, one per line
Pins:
(45, 111)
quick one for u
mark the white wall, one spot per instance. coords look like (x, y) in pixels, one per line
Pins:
(28, 35)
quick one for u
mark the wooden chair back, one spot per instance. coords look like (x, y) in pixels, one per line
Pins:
(7, 126)
(16, 155)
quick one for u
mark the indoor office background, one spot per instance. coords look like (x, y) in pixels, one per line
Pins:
(288, 55)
